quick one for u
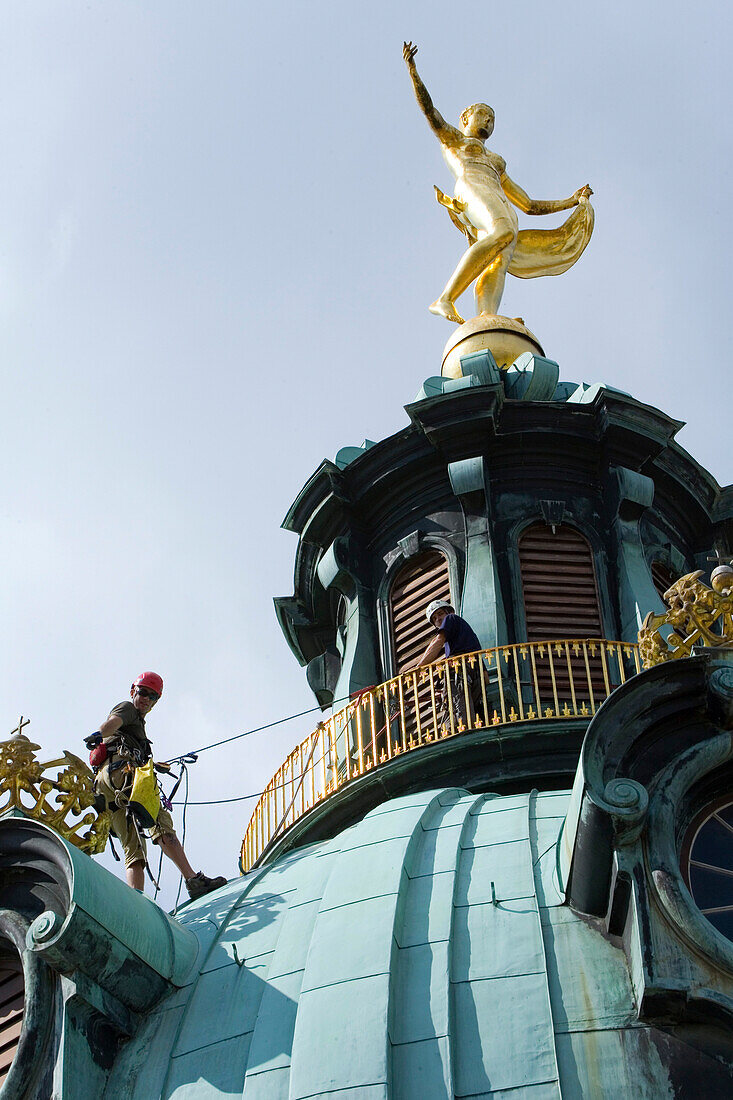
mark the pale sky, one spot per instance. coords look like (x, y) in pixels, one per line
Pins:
(218, 242)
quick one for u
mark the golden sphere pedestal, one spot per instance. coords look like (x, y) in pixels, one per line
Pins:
(505, 337)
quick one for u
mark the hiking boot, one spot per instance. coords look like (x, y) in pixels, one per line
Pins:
(201, 884)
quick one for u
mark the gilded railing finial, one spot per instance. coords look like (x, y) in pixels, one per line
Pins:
(698, 615)
(52, 798)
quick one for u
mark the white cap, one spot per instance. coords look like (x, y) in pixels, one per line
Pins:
(435, 606)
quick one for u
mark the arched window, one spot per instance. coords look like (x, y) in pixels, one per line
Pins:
(559, 584)
(12, 1000)
(561, 601)
(424, 578)
(662, 576)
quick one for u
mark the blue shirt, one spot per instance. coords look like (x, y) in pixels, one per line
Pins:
(459, 637)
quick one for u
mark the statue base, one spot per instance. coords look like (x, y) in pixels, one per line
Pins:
(505, 337)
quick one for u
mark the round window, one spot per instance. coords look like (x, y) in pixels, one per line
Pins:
(707, 864)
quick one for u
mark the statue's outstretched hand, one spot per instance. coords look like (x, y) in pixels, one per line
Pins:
(583, 193)
(408, 52)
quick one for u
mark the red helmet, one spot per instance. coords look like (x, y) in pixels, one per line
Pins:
(150, 680)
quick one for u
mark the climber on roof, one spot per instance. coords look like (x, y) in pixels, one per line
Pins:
(127, 749)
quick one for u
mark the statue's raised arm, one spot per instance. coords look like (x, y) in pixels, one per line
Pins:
(435, 120)
(483, 207)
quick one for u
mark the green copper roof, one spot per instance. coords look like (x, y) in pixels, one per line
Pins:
(425, 952)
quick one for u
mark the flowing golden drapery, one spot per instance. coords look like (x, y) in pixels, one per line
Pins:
(537, 251)
(552, 251)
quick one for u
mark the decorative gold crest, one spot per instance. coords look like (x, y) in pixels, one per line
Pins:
(698, 615)
(52, 798)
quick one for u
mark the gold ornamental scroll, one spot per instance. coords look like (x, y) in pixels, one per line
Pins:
(698, 616)
(53, 791)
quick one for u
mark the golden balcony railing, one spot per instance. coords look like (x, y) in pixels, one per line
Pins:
(531, 681)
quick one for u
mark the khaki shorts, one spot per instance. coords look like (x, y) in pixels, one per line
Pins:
(133, 845)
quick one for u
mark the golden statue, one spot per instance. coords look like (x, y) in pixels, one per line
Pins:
(482, 209)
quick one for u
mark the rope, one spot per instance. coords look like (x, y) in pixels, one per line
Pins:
(157, 877)
(300, 781)
(248, 733)
(220, 801)
(267, 726)
(190, 757)
(183, 837)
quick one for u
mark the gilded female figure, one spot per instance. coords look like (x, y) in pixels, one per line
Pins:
(482, 209)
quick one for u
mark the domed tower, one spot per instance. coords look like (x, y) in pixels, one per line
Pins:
(551, 515)
(503, 871)
(510, 853)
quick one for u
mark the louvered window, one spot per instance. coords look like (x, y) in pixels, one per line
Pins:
(422, 580)
(662, 577)
(560, 601)
(12, 999)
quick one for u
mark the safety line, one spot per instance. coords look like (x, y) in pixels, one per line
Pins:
(220, 801)
(183, 838)
(236, 737)
(258, 729)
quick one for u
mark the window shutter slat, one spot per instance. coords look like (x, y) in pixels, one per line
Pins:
(422, 579)
(560, 601)
(12, 1003)
(663, 577)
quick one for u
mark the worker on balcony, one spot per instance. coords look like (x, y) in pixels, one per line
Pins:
(128, 747)
(454, 636)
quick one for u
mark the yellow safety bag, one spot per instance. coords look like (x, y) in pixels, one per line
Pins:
(144, 797)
